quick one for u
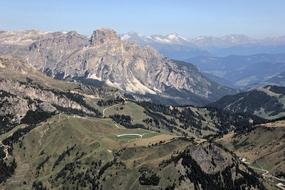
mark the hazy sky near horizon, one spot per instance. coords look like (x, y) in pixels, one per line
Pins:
(190, 18)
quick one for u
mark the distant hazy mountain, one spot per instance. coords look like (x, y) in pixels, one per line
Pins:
(278, 79)
(124, 65)
(207, 42)
(242, 71)
(178, 47)
(239, 45)
(267, 102)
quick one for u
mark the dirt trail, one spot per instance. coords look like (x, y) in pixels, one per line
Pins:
(266, 174)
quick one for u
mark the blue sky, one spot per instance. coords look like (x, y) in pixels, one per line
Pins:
(256, 18)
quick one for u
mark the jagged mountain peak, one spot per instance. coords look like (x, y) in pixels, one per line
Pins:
(103, 35)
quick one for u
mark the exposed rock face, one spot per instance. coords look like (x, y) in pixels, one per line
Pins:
(44, 54)
(13, 108)
(121, 64)
(38, 93)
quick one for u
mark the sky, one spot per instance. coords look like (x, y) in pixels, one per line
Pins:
(190, 18)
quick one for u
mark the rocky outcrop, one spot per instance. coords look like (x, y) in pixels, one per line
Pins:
(210, 167)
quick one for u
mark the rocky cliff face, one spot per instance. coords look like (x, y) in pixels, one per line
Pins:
(121, 64)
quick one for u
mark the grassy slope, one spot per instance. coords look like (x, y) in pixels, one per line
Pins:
(94, 139)
(129, 108)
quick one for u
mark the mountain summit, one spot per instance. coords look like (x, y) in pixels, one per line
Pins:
(103, 36)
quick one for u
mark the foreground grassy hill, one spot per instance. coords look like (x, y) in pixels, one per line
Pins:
(71, 152)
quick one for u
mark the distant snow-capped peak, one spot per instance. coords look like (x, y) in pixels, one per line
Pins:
(169, 38)
(172, 38)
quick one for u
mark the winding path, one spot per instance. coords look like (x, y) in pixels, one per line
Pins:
(109, 108)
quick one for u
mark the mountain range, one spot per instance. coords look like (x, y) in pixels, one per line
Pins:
(140, 71)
